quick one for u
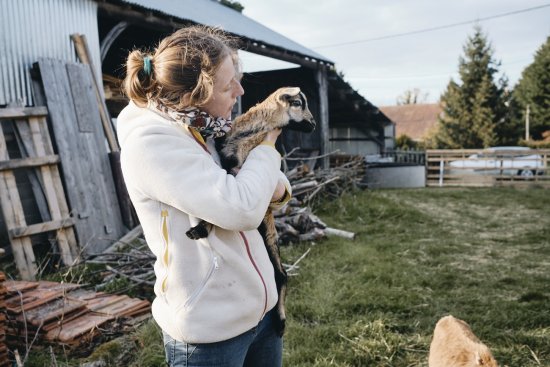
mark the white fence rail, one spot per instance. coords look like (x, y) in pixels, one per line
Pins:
(488, 167)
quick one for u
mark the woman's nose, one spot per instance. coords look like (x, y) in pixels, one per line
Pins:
(239, 91)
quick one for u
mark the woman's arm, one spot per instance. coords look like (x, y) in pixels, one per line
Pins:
(173, 168)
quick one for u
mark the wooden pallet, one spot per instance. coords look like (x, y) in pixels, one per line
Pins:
(32, 126)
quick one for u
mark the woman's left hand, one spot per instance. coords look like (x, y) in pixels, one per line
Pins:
(279, 192)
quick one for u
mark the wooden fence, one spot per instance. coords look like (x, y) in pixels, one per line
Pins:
(476, 167)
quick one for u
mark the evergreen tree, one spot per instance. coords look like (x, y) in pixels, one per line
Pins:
(474, 111)
(533, 90)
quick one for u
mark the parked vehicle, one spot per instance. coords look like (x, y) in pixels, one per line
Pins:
(500, 161)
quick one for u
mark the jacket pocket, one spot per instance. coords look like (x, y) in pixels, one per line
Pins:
(202, 286)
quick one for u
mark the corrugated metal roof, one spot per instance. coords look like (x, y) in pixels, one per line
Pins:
(212, 13)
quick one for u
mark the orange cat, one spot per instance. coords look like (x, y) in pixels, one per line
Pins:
(455, 345)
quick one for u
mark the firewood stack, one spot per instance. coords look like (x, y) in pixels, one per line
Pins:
(295, 221)
(4, 360)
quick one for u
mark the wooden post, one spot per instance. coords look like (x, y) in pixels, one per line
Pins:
(84, 56)
(322, 83)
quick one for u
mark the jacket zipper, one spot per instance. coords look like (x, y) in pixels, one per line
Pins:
(257, 270)
(199, 289)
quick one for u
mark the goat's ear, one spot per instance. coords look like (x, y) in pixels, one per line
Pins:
(288, 93)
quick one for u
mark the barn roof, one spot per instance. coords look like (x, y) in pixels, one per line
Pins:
(212, 13)
(413, 120)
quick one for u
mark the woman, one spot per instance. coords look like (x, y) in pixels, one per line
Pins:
(214, 296)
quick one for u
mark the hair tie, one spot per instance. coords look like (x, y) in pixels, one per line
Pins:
(147, 65)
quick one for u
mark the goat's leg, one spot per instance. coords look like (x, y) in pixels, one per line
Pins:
(270, 239)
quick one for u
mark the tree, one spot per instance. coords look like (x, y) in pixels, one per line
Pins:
(533, 90)
(412, 96)
(235, 5)
(474, 111)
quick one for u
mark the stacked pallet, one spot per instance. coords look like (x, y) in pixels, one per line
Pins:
(63, 313)
(4, 360)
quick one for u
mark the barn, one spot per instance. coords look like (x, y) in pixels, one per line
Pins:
(43, 78)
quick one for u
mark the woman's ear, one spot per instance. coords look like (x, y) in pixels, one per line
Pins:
(186, 99)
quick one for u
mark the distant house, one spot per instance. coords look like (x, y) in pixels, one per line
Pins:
(413, 120)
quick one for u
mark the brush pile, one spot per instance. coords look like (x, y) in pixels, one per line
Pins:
(295, 221)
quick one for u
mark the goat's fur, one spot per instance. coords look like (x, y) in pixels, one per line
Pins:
(455, 345)
(285, 108)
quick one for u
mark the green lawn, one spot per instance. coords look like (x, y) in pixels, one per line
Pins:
(482, 255)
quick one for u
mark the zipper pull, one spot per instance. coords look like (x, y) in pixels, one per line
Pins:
(216, 266)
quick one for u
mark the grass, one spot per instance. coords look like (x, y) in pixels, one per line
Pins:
(482, 255)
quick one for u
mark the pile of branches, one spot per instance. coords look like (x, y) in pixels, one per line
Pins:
(296, 222)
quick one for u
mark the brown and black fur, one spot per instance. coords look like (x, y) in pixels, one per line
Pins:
(285, 108)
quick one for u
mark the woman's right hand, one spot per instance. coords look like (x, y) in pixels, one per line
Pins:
(272, 136)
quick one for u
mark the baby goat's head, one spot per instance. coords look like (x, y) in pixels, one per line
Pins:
(295, 103)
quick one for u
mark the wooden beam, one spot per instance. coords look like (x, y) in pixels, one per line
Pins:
(41, 227)
(29, 162)
(132, 15)
(19, 112)
(282, 54)
(322, 83)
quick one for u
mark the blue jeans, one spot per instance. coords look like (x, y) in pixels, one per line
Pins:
(258, 347)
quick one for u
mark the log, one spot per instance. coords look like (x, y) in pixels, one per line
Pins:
(340, 233)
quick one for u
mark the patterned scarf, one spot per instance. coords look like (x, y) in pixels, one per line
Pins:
(204, 123)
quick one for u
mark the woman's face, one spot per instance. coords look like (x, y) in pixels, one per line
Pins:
(227, 87)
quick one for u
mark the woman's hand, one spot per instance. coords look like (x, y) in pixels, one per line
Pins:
(272, 136)
(280, 190)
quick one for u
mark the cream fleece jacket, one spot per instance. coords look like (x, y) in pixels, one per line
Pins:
(214, 288)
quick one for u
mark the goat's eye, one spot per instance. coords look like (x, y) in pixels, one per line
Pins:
(296, 103)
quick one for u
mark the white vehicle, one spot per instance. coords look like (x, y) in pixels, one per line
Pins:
(500, 161)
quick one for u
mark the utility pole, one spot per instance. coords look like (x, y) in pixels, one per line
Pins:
(527, 124)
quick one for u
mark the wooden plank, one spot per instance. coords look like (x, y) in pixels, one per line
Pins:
(41, 227)
(60, 192)
(83, 52)
(20, 112)
(29, 162)
(14, 217)
(22, 133)
(67, 255)
(103, 193)
(83, 158)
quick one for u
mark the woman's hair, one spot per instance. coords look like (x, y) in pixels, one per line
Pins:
(184, 62)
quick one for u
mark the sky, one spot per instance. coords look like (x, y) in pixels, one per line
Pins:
(359, 36)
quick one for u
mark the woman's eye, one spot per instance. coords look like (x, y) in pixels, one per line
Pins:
(296, 103)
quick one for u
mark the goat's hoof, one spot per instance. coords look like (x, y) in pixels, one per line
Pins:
(196, 233)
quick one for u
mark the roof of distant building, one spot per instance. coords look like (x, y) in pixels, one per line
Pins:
(413, 120)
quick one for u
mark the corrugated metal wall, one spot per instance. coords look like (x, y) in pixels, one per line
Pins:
(30, 29)
(357, 147)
